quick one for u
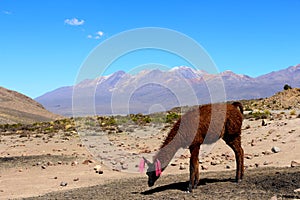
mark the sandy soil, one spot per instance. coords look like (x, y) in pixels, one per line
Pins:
(33, 166)
(262, 183)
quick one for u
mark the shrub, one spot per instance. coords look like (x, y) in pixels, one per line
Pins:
(293, 112)
(140, 119)
(287, 87)
(171, 117)
(259, 114)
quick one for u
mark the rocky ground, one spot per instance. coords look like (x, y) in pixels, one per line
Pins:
(262, 183)
(284, 100)
(43, 158)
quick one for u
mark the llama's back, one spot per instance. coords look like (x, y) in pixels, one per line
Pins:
(205, 124)
(210, 121)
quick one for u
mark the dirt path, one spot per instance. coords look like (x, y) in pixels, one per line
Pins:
(263, 183)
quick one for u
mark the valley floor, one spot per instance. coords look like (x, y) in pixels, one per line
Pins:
(40, 165)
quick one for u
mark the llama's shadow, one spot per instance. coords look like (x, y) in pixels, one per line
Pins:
(182, 186)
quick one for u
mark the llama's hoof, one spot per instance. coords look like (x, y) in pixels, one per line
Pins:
(238, 180)
(187, 192)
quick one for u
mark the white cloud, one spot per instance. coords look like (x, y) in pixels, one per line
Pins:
(96, 36)
(74, 22)
(6, 12)
(100, 33)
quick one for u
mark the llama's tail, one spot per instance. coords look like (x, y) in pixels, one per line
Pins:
(238, 105)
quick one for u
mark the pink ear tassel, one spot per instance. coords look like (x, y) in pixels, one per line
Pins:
(157, 168)
(142, 165)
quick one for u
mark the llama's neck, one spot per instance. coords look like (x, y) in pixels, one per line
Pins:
(170, 146)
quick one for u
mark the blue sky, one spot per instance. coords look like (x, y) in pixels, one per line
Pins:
(44, 43)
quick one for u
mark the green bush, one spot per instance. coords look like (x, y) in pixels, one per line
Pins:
(293, 112)
(259, 114)
(287, 87)
(171, 117)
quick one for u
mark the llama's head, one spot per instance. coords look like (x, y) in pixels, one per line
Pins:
(153, 171)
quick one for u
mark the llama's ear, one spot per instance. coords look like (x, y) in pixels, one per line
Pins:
(157, 167)
(142, 165)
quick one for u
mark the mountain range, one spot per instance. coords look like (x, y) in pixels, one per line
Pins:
(155, 90)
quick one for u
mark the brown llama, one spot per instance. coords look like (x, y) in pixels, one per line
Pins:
(204, 124)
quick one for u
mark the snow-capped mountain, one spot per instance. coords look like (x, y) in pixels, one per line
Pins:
(122, 93)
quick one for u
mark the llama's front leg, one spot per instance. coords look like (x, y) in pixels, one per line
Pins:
(194, 167)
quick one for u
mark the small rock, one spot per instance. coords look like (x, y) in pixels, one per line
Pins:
(173, 164)
(43, 167)
(266, 152)
(100, 172)
(55, 177)
(38, 163)
(228, 167)
(124, 166)
(274, 198)
(74, 163)
(20, 170)
(76, 179)
(182, 166)
(49, 163)
(204, 167)
(63, 184)
(297, 190)
(249, 157)
(215, 162)
(86, 162)
(97, 168)
(276, 149)
(256, 165)
(295, 163)
(1, 190)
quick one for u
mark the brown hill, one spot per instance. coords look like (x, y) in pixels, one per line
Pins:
(284, 100)
(18, 108)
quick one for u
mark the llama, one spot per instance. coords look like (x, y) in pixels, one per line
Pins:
(204, 124)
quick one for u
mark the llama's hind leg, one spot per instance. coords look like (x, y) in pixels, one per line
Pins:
(235, 144)
(194, 167)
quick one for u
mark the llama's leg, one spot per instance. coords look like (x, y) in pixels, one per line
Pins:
(235, 144)
(194, 167)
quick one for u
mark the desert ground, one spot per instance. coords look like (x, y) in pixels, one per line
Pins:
(67, 165)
